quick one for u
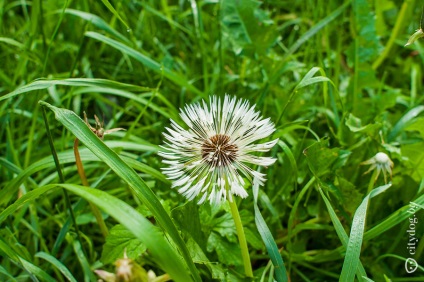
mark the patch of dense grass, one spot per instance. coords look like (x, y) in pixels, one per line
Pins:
(334, 77)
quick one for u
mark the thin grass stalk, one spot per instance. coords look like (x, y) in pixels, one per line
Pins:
(96, 212)
(62, 179)
(372, 181)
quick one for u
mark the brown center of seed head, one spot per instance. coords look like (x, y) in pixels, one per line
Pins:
(218, 151)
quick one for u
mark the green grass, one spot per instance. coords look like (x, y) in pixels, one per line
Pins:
(334, 76)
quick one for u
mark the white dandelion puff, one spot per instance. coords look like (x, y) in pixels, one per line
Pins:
(381, 162)
(208, 160)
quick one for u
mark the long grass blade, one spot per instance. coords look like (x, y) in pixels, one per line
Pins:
(141, 227)
(353, 250)
(78, 127)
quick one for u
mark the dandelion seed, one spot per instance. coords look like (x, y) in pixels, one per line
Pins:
(208, 161)
(381, 162)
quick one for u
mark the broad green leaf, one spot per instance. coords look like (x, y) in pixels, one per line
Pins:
(200, 258)
(418, 125)
(119, 241)
(228, 252)
(355, 125)
(188, 219)
(78, 127)
(320, 157)
(353, 249)
(351, 197)
(246, 27)
(366, 34)
(415, 155)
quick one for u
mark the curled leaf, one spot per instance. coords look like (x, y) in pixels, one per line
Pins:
(418, 34)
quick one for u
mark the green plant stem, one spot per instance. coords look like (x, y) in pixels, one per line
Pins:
(61, 178)
(94, 209)
(400, 22)
(242, 239)
(372, 181)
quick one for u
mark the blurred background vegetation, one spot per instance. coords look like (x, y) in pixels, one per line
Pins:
(333, 75)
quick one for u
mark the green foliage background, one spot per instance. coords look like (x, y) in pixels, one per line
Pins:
(333, 75)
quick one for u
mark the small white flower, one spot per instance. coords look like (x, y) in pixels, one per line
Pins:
(381, 162)
(209, 159)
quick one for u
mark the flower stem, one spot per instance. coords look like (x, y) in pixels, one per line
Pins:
(372, 180)
(242, 239)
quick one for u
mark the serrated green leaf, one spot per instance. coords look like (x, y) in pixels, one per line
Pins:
(415, 154)
(228, 252)
(119, 241)
(246, 27)
(320, 157)
(351, 197)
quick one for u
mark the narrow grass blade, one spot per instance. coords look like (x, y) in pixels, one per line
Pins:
(291, 158)
(268, 239)
(98, 22)
(305, 37)
(146, 61)
(404, 121)
(353, 250)
(112, 9)
(141, 227)
(78, 127)
(85, 265)
(56, 263)
(341, 233)
(7, 274)
(28, 266)
(394, 219)
(67, 157)
(46, 83)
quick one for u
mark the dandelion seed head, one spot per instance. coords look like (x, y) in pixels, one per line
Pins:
(382, 163)
(208, 161)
